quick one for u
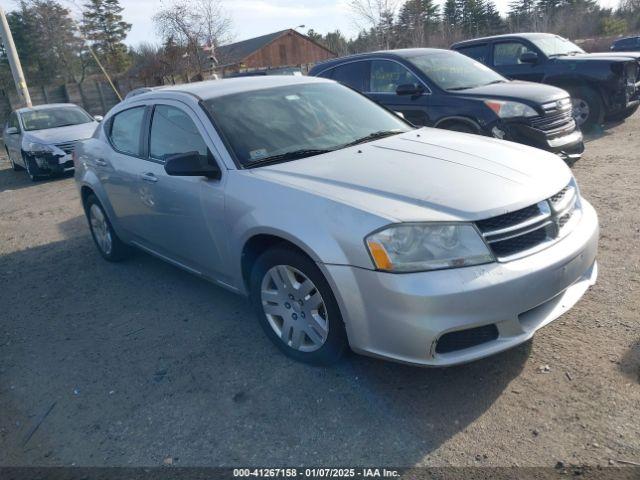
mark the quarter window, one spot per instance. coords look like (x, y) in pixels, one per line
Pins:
(173, 132)
(387, 76)
(509, 53)
(126, 128)
(13, 121)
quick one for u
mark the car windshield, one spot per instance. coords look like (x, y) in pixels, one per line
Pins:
(297, 121)
(555, 46)
(454, 71)
(54, 118)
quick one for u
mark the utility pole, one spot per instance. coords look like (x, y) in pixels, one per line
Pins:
(14, 61)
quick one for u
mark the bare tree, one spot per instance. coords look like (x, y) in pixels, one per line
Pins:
(378, 17)
(194, 24)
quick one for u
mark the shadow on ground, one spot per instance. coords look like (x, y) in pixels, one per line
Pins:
(127, 363)
(16, 180)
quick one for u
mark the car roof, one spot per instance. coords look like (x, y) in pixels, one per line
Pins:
(46, 106)
(626, 38)
(400, 52)
(209, 89)
(528, 36)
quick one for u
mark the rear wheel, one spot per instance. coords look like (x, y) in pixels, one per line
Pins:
(588, 109)
(296, 307)
(109, 244)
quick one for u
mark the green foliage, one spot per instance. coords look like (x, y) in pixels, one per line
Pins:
(614, 26)
(103, 26)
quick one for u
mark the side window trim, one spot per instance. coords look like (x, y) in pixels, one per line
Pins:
(108, 129)
(428, 90)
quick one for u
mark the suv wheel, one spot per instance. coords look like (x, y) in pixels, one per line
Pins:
(109, 244)
(296, 307)
(588, 109)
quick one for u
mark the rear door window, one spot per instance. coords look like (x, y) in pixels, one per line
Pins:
(174, 132)
(509, 53)
(126, 129)
(479, 53)
(353, 75)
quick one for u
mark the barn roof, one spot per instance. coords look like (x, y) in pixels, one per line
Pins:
(236, 52)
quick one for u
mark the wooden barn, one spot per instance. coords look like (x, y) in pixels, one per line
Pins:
(286, 48)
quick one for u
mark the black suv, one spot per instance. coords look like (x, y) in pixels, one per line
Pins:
(602, 85)
(444, 89)
(629, 44)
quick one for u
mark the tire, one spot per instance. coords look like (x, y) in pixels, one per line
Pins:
(304, 319)
(33, 172)
(104, 236)
(624, 114)
(588, 109)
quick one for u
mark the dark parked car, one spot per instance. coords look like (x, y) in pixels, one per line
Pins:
(40, 140)
(602, 85)
(629, 44)
(444, 89)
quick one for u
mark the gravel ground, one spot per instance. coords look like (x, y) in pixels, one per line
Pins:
(130, 364)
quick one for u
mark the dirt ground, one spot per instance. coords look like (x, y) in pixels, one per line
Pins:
(134, 363)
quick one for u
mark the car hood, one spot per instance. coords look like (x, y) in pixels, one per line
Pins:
(536, 93)
(596, 57)
(429, 174)
(71, 133)
(634, 55)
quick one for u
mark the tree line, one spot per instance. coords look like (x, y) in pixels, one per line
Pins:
(57, 45)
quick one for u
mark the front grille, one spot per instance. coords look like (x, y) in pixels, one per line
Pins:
(525, 231)
(557, 116)
(67, 147)
(454, 341)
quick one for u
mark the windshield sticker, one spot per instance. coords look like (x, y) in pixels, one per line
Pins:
(258, 154)
(292, 98)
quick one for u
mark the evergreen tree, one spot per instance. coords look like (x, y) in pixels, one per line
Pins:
(102, 25)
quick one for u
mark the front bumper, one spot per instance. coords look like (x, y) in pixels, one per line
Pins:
(402, 317)
(567, 142)
(51, 163)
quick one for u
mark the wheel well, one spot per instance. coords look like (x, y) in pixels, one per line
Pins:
(256, 246)
(84, 194)
(447, 122)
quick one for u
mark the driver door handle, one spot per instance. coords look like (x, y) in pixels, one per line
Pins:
(149, 177)
(101, 163)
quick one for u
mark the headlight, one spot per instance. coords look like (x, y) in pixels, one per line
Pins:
(510, 109)
(427, 246)
(37, 148)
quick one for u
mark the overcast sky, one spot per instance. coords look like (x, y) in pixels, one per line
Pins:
(252, 18)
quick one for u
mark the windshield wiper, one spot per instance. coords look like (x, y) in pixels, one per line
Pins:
(371, 137)
(287, 156)
(453, 89)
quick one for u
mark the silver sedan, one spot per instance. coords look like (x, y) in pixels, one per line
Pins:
(344, 225)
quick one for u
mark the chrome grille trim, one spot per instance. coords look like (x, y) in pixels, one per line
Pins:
(556, 217)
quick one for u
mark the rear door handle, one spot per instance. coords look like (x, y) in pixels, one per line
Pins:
(101, 163)
(149, 177)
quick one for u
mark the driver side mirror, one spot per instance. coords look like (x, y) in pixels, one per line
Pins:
(12, 131)
(192, 164)
(409, 89)
(529, 57)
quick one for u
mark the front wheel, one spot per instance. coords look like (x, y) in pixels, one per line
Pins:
(14, 166)
(588, 109)
(296, 307)
(33, 172)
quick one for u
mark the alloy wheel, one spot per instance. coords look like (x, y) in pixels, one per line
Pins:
(581, 111)
(100, 229)
(294, 308)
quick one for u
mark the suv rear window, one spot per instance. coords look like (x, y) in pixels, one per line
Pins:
(479, 52)
(125, 130)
